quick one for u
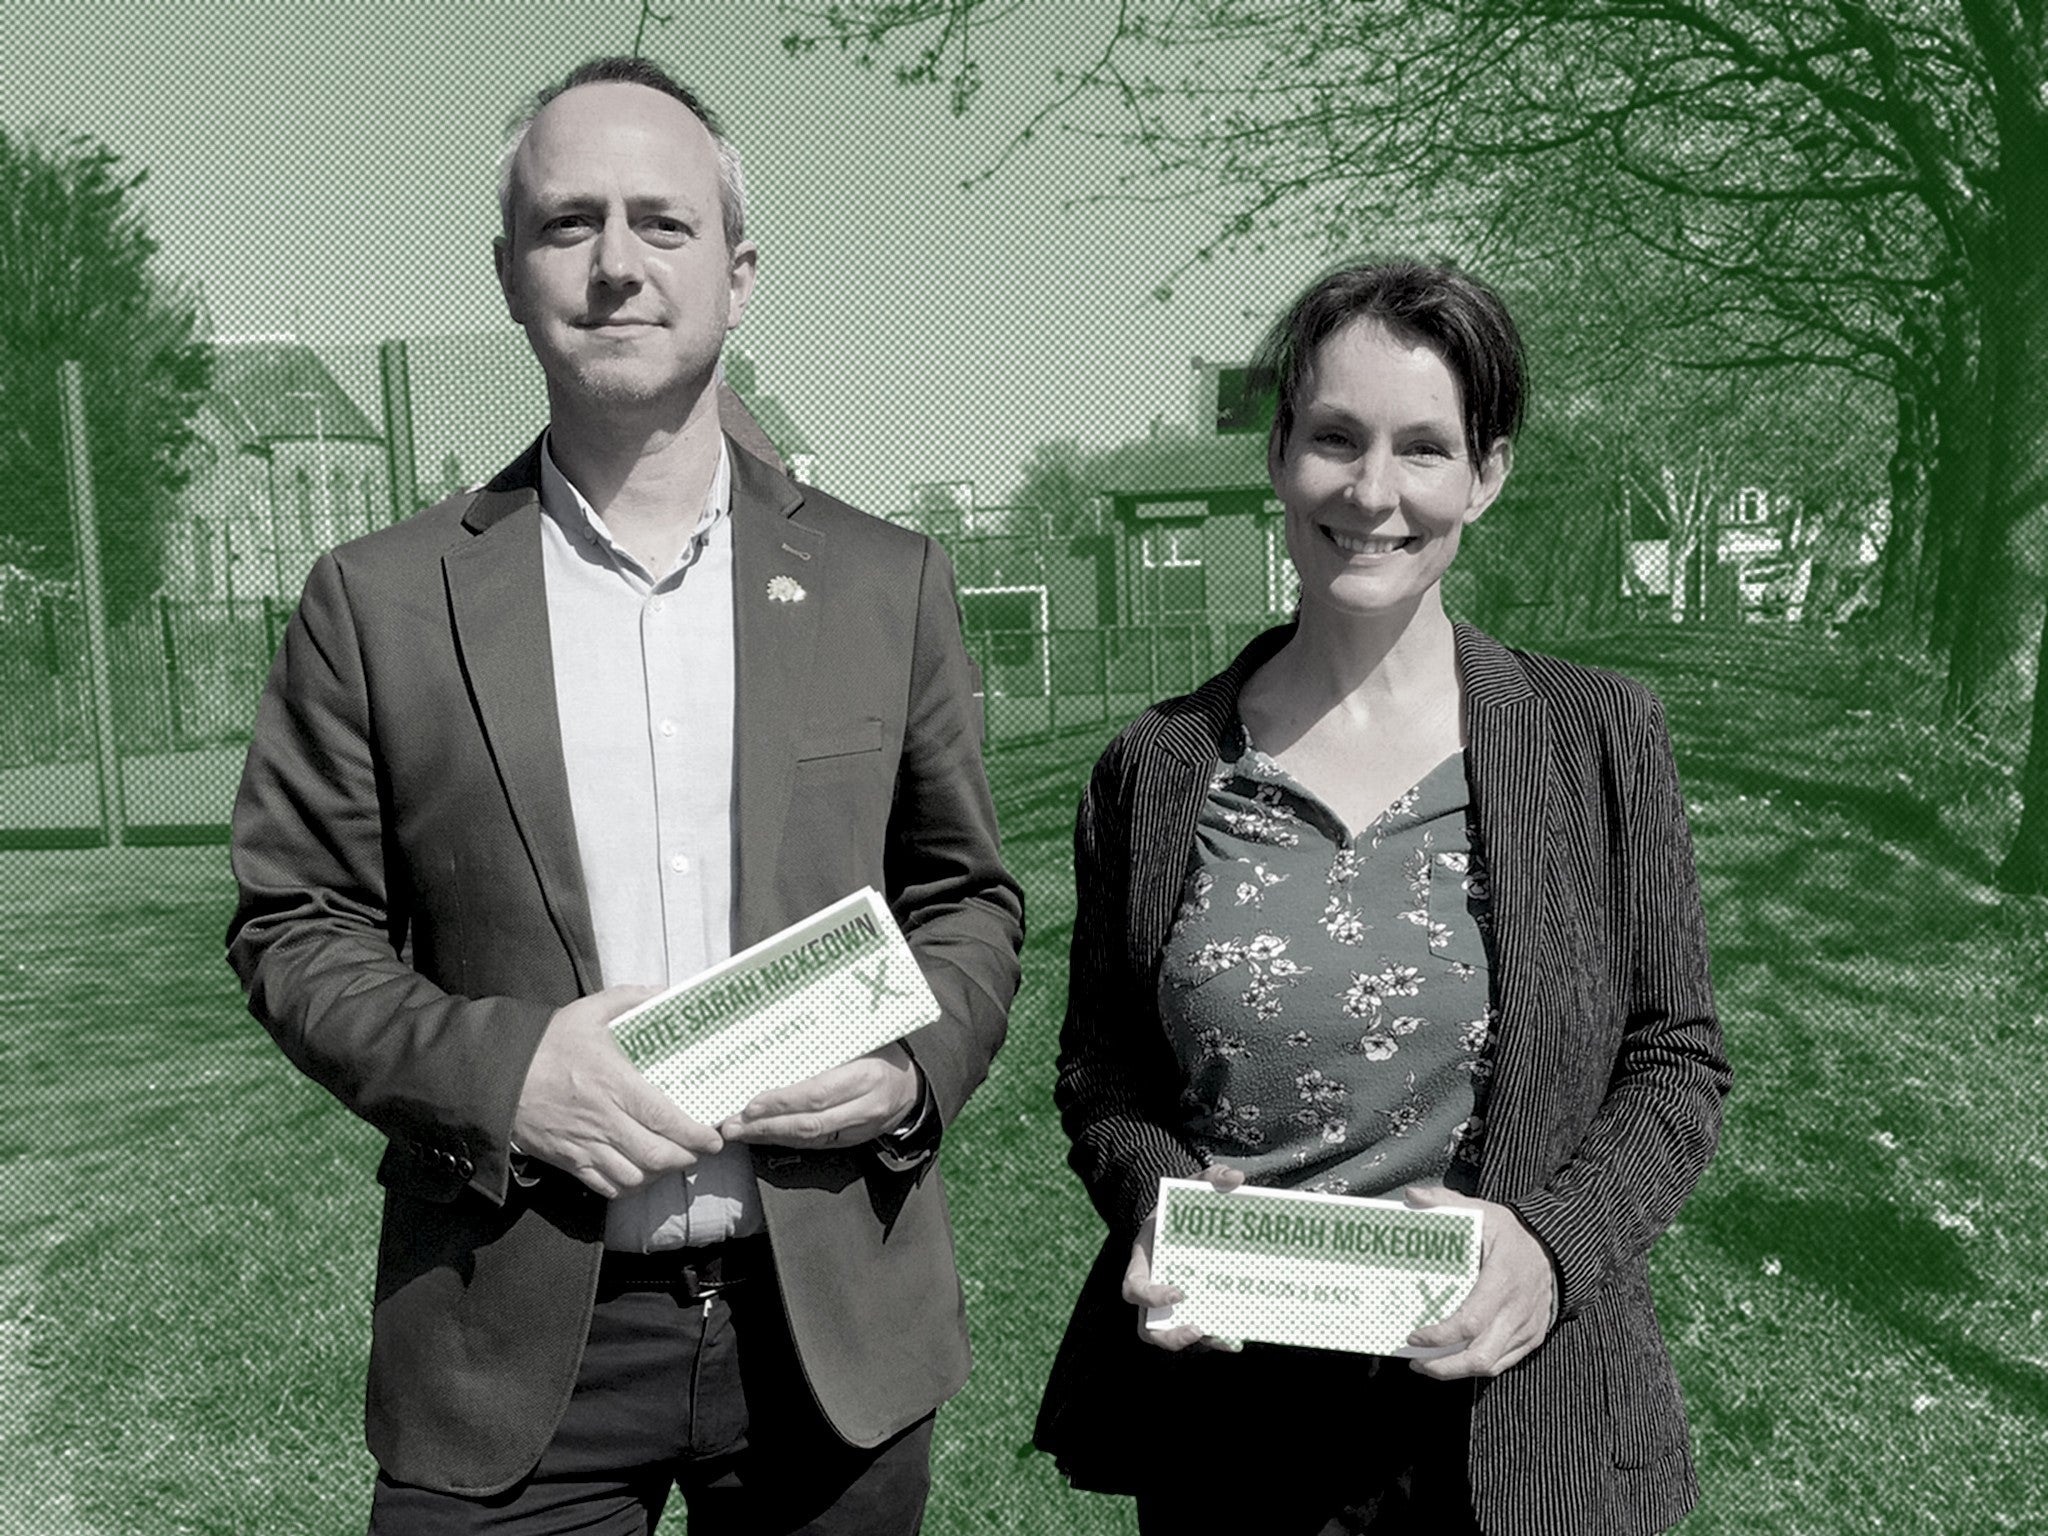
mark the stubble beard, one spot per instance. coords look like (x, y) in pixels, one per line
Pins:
(625, 384)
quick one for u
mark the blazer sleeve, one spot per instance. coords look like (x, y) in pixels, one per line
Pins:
(317, 936)
(1660, 1121)
(959, 908)
(1118, 1083)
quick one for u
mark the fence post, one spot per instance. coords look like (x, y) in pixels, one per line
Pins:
(85, 533)
(401, 471)
(53, 654)
(269, 629)
(163, 613)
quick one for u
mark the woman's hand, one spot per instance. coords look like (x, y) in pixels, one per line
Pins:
(1509, 1310)
(1141, 1292)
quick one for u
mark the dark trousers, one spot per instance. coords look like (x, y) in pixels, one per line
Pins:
(1292, 1442)
(701, 1394)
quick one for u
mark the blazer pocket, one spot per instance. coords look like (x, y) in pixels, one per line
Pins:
(1645, 1408)
(842, 741)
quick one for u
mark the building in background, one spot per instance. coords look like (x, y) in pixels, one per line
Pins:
(1755, 554)
(287, 465)
(1179, 559)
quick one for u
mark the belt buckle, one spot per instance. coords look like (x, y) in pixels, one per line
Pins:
(740, 1261)
(706, 1288)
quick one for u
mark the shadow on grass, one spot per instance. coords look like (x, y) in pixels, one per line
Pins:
(1864, 991)
(1762, 711)
(1896, 816)
(1897, 1269)
(1834, 884)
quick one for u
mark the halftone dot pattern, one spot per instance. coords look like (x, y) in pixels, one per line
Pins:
(1314, 1271)
(720, 1041)
(1851, 1297)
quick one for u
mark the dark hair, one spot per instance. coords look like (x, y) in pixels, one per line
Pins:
(1460, 318)
(620, 70)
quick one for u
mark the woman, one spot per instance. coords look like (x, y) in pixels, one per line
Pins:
(1387, 907)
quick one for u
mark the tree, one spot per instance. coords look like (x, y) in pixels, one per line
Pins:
(1058, 484)
(77, 282)
(1853, 181)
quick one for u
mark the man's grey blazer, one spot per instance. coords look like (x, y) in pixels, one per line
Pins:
(412, 912)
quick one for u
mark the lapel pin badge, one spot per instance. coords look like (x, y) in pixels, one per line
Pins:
(784, 589)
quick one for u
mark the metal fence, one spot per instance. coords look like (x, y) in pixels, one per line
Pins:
(1040, 680)
(1073, 627)
(185, 676)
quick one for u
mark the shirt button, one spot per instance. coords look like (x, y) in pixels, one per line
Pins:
(657, 605)
(680, 864)
(668, 727)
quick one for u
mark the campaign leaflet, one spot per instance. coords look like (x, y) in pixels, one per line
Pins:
(1287, 1266)
(834, 986)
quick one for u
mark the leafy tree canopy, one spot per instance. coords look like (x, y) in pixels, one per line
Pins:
(77, 282)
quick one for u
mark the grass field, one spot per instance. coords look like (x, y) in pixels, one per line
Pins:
(1853, 1296)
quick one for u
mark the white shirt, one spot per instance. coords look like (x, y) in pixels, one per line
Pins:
(644, 680)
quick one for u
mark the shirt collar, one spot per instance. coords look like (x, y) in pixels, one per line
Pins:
(560, 500)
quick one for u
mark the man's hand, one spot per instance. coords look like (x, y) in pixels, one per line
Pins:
(840, 1108)
(1141, 1291)
(586, 1108)
(1507, 1313)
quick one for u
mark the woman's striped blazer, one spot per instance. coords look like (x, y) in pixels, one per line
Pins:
(1606, 1095)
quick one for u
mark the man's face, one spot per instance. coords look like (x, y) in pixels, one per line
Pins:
(616, 262)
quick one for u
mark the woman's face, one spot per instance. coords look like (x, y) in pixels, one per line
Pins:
(1375, 476)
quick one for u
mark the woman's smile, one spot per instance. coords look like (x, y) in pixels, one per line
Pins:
(1369, 543)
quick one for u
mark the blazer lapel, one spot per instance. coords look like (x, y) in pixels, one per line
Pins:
(781, 578)
(1508, 767)
(497, 596)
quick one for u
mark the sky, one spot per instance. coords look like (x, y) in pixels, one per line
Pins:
(329, 171)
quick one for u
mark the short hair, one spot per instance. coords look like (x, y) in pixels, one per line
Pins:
(1455, 315)
(620, 70)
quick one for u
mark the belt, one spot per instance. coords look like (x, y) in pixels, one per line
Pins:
(691, 1274)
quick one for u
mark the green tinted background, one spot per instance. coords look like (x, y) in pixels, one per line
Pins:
(1853, 1296)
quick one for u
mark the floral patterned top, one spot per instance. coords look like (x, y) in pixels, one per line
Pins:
(1327, 994)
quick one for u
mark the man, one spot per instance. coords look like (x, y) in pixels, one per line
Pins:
(638, 702)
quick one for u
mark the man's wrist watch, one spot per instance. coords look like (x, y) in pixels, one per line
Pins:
(917, 1138)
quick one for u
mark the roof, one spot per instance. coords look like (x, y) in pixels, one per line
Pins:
(274, 389)
(1175, 466)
